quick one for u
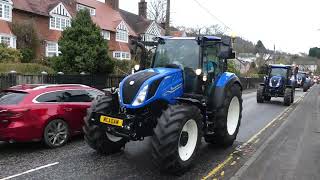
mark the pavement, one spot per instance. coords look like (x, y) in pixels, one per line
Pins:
(77, 161)
(293, 152)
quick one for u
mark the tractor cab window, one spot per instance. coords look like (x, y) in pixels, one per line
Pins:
(182, 53)
(211, 61)
(278, 72)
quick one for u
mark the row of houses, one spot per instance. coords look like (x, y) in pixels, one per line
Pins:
(51, 17)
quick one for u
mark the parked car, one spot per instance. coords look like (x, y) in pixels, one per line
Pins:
(51, 113)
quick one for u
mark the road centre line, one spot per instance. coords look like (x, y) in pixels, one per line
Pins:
(220, 166)
(30, 171)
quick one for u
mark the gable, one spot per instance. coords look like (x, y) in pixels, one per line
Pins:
(153, 29)
(122, 26)
(60, 10)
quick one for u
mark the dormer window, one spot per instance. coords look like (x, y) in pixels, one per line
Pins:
(90, 9)
(122, 33)
(59, 18)
(6, 10)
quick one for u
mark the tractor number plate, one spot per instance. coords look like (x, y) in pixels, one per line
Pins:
(111, 121)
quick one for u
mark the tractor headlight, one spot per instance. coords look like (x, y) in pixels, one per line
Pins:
(141, 96)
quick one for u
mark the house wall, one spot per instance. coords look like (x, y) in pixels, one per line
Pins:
(41, 24)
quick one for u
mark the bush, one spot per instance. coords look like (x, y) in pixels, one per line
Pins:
(232, 67)
(123, 67)
(9, 55)
(25, 68)
(27, 55)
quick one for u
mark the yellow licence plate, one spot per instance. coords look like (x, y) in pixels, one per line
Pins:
(111, 121)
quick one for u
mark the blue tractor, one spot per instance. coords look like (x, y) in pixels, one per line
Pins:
(303, 81)
(185, 95)
(280, 81)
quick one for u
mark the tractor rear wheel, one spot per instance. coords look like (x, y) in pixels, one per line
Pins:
(96, 138)
(228, 119)
(177, 138)
(260, 97)
(287, 96)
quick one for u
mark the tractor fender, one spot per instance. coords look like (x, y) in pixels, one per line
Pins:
(225, 82)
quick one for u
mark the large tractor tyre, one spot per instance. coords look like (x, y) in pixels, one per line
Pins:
(287, 96)
(305, 87)
(96, 138)
(267, 98)
(260, 97)
(177, 138)
(228, 119)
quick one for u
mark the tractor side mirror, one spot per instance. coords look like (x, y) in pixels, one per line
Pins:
(226, 53)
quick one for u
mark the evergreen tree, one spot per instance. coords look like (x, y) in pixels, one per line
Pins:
(82, 47)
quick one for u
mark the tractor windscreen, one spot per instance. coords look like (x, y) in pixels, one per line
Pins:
(278, 72)
(182, 53)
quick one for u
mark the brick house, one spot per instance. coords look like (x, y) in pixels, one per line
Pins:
(51, 17)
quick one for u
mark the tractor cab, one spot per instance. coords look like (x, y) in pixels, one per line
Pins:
(200, 59)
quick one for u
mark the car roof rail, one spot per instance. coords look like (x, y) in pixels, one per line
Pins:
(59, 85)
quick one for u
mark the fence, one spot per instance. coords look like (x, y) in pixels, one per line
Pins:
(97, 81)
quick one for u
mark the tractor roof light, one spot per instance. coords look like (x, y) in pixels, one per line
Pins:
(136, 67)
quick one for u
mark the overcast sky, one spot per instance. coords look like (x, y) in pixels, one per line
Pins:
(292, 25)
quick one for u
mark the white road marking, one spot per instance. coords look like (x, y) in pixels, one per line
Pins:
(30, 171)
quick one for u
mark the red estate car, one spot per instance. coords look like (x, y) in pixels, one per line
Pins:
(51, 113)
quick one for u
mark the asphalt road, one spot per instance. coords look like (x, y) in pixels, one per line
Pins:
(77, 161)
(293, 152)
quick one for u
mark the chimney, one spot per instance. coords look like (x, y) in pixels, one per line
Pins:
(143, 8)
(113, 3)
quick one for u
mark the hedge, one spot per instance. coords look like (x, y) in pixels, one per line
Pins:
(25, 68)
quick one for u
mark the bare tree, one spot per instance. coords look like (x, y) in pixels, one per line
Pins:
(157, 10)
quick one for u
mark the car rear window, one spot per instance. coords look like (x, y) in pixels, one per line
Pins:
(11, 98)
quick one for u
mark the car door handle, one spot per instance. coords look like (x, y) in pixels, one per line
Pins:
(68, 109)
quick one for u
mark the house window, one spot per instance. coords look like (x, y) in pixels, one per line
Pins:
(121, 55)
(52, 49)
(122, 33)
(8, 40)
(5, 40)
(5, 11)
(59, 23)
(105, 34)
(92, 11)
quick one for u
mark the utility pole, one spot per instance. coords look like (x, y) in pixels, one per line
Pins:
(168, 19)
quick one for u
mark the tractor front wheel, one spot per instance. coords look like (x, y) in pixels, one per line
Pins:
(287, 96)
(177, 138)
(305, 87)
(228, 119)
(260, 97)
(96, 138)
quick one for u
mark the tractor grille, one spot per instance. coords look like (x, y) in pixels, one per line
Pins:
(130, 91)
(274, 81)
(153, 88)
